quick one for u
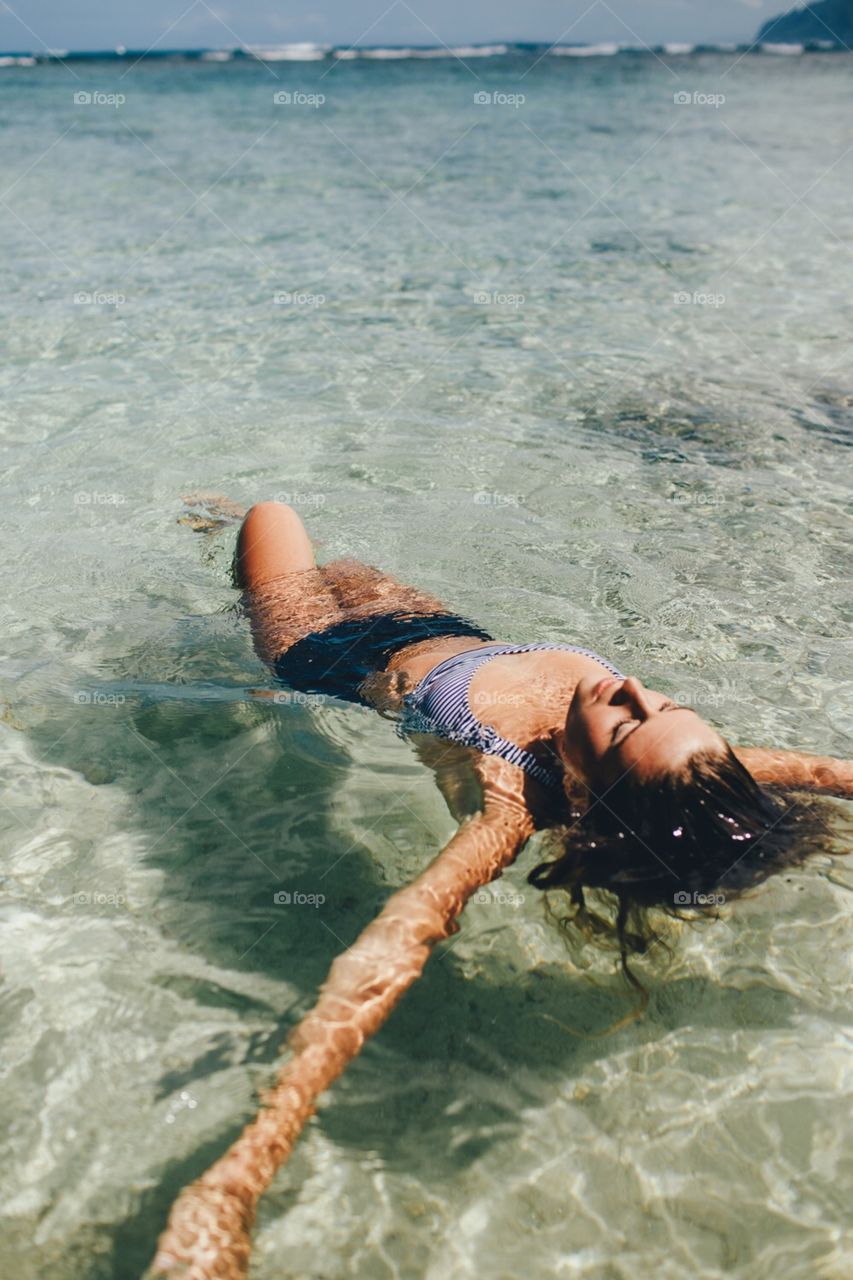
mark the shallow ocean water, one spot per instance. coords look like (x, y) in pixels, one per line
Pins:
(580, 365)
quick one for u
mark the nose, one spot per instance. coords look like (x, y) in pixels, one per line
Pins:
(638, 696)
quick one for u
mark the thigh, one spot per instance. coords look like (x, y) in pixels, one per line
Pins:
(286, 609)
(361, 590)
(285, 595)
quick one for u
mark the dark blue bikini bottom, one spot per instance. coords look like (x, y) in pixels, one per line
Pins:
(337, 660)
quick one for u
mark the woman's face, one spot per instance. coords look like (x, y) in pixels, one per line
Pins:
(616, 725)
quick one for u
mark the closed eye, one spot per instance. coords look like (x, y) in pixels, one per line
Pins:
(621, 725)
(667, 706)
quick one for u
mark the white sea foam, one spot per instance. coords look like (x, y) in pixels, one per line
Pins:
(478, 50)
(585, 50)
(432, 51)
(307, 51)
(383, 54)
(303, 52)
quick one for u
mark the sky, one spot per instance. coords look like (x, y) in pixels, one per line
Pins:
(103, 24)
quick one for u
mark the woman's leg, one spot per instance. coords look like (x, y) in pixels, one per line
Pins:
(286, 596)
(272, 541)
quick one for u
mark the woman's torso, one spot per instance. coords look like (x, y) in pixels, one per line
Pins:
(516, 699)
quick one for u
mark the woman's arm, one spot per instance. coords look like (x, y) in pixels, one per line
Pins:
(798, 769)
(208, 1229)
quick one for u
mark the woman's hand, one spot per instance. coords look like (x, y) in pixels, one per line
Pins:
(798, 770)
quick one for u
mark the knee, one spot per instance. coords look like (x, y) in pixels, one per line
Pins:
(272, 541)
(266, 519)
(268, 511)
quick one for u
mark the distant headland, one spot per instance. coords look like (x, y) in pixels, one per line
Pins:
(828, 22)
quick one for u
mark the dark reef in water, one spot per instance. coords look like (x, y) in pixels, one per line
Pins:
(826, 22)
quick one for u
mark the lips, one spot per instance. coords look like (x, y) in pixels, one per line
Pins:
(602, 685)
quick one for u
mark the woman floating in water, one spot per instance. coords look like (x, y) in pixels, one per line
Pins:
(647, 800)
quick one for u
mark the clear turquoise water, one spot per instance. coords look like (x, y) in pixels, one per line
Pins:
(579, 457)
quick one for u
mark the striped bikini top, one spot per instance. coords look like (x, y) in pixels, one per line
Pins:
(439, 705)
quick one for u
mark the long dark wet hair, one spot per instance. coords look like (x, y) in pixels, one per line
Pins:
(683, 842)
